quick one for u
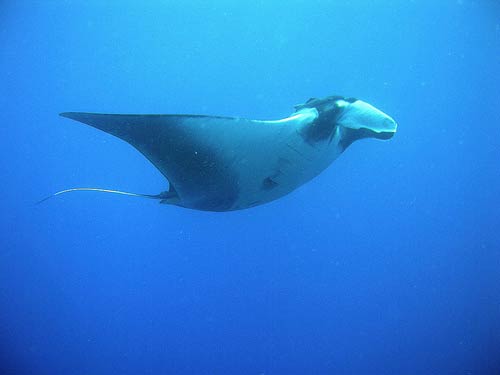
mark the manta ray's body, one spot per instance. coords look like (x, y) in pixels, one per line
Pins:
(226, 163)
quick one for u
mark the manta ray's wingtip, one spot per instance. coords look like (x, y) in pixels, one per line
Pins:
(68, 114)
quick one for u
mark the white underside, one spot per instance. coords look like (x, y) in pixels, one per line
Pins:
(276, 150)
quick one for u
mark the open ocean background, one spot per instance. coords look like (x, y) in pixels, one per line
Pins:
(387, 263)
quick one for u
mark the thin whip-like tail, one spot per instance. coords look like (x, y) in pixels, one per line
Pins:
(157, 196)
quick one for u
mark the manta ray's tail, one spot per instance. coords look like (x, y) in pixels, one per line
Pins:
(164, 195)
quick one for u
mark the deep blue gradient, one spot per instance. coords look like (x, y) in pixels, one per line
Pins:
(387, 263)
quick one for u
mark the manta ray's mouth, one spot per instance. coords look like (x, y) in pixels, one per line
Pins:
(386, 134)
(388, 126)
(385, 130)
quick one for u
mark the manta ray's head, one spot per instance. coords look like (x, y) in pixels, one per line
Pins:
(350, 118)
(358, 119)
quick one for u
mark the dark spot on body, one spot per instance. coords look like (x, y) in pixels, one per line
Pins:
(268, 183)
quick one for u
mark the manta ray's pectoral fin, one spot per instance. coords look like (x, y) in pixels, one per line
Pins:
(195, 153)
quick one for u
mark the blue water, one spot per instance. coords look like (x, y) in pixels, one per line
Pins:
(387, 263)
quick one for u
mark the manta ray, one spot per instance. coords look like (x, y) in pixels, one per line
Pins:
(216, 163)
